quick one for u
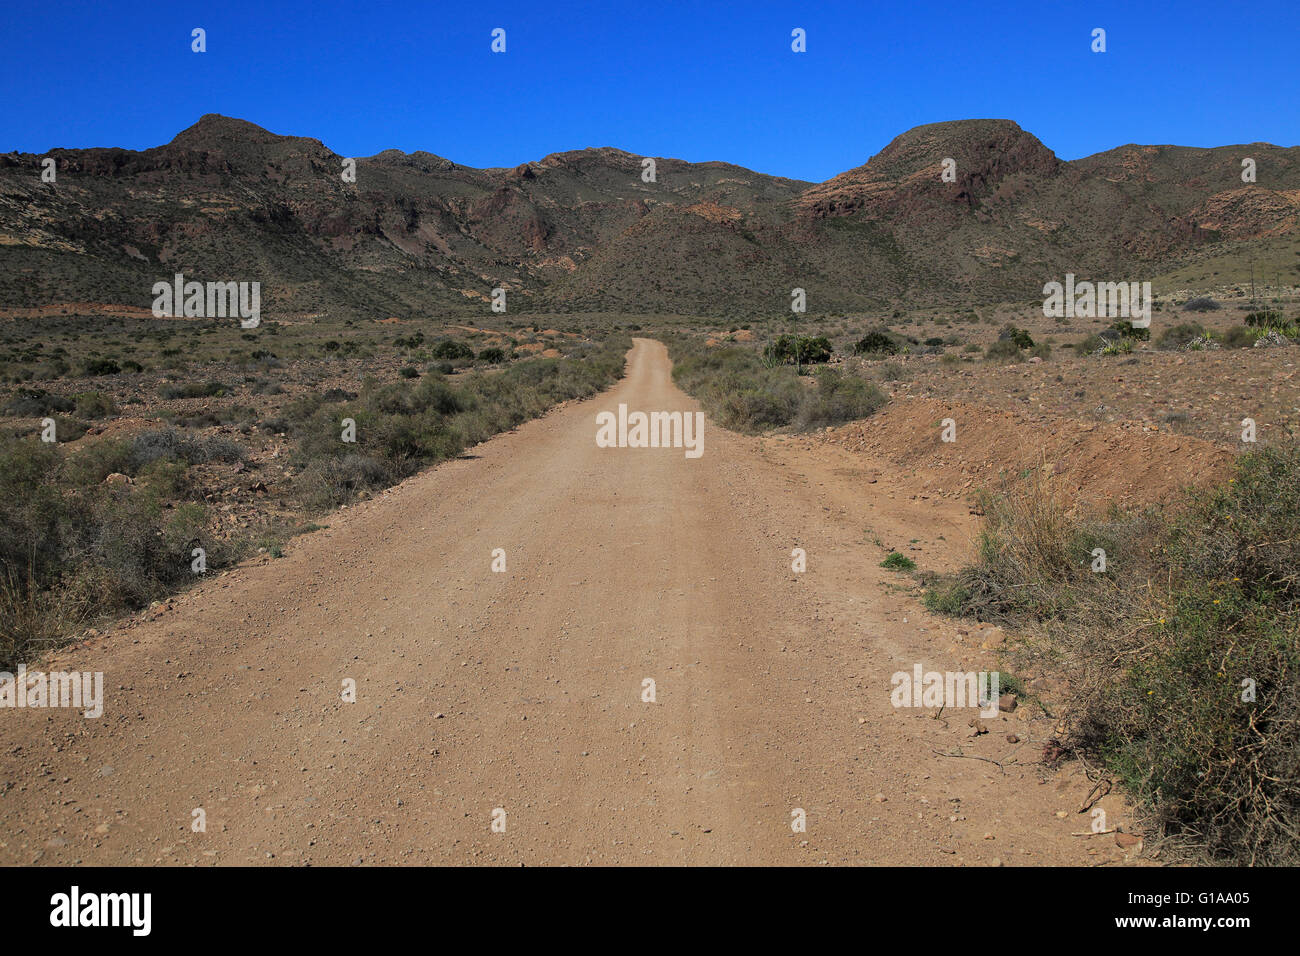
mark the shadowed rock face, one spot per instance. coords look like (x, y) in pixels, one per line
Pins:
(581, 230)
(904, 177)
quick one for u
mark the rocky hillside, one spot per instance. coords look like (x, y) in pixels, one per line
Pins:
(582, 231)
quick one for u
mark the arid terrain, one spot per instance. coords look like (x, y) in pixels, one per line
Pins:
(366, 586)
(523, 690)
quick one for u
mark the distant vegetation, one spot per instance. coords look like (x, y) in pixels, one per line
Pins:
(741, 392)
(108, 528)
(798, 350)
(876, 342)
(401, 428)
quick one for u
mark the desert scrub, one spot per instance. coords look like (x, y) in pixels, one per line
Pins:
(1184, 654)
(1089, 345)
(1019, 336)
(838, 398)
(37, 403)
(798, 350)
(72, 548)
(735, 388)
(876, 342)
(1179, 336)
(403, 427)
(193, 390)
(1237, 337)
(739, 392)
(1003, 350)
(898, 562)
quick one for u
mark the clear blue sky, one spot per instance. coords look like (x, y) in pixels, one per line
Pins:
(697, 81)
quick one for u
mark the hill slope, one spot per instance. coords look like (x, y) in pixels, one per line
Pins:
(581, 230)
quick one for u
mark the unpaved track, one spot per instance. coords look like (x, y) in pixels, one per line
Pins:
(522, 690)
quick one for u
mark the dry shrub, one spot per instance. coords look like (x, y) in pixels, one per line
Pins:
(1183, 657)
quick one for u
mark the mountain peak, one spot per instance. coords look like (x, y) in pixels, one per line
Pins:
(978, 143)
(984, 152)
(214, 131)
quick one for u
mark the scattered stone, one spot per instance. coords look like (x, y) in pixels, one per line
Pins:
(994, 637)
(1271, 339)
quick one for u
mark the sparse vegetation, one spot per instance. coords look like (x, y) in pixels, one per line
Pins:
(1184, 653)
(897, 561)
(798, 350)
(1019, 337)
(876, 342)
(1179, 336)
(401, 428)
(742, 393)
(1003, 350)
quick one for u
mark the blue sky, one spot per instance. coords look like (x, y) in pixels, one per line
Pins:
(696, 81)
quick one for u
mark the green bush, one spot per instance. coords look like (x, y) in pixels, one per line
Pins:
(876, 342)
(37, 403)
(69, 549)
(192, 390)
(1265, 319)
(101, 367)
(1129, 331)
(1183, 656)
(1178, 336)
(898, 562)
(450, 350)
(95, 405)
(838, 398)
(171, 444)
(1089, 345)
(798, 350)
(1018, 336)
(1237, 337)
(1003, 350)
(741, 393)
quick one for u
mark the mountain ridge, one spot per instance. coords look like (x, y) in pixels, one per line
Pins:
(582, 230)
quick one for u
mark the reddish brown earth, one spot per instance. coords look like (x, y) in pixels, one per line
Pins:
(1092, 463)
(523, 690)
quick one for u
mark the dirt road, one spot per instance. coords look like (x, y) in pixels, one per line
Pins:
(522, 690)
